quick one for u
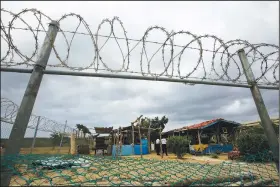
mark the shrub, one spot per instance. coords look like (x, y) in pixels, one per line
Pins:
(252, 146)
(218, 152)
(178, 145)
(214, 155)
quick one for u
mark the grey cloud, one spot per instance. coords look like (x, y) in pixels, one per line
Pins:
(204, 102)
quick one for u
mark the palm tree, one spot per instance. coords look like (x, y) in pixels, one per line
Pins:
(82, 127)
(79, 127)
(85, 131)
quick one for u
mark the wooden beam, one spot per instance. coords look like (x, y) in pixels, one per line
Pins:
(160, 143)
(198, 135)
(132, 133)
(218, 134)
(149, 137)
(140, 140)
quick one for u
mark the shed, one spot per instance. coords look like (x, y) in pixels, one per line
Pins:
(209, 136)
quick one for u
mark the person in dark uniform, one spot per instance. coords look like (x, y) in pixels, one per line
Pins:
(125, 142)
(138, 141)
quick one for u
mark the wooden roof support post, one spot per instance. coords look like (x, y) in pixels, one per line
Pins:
(132, 133)
(160, 143)
(149, 136)
(218, 134)
(198, 135)
(140, 139)
(73, 144)
(120, 142)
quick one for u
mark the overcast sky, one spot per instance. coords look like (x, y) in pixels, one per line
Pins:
(116, 102)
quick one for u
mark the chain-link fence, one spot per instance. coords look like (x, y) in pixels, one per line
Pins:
(107, 171)
(43, 136)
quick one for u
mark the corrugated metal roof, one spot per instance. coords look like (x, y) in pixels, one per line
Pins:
(103, 130)
(274, 120)
(258, 123)
(201, 125)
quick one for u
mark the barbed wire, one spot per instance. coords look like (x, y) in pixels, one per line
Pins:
(9, 111)
(221, 55)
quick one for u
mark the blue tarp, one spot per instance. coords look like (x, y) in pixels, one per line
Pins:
(221, 148)
(144, 150)
(128, 149)
(144, 142)
(213, 148)
(60, 163)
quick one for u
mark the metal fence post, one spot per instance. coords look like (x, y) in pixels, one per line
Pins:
(62, 136)
(35, 134)
(28, 100)
(265, 119)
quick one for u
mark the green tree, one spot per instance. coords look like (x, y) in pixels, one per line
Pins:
(178, 145)
(253, 145)
(145, 122)
(85, 131)
(79, 127)
(156, 123)
(56, 137)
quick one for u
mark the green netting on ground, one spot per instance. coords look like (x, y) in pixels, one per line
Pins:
(83, 170)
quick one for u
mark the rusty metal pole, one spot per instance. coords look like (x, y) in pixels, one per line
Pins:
(265, 119)
(19, 128)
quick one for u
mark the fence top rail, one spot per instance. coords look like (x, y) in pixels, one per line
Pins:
(135, 77)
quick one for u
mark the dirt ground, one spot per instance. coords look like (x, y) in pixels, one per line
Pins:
(187, 158)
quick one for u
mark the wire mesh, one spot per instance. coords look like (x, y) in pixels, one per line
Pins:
(42, 138)
(107, 171)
